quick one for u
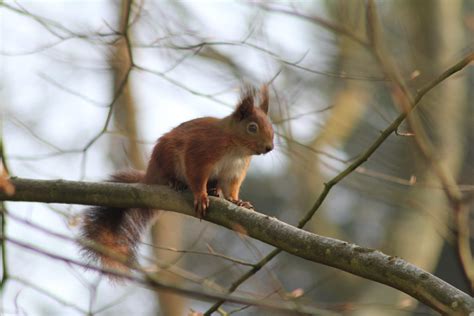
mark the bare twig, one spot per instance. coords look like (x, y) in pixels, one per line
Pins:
(181, 85)
(407, 103)
(214, 254)
(294, 64)
(335, 27)
(61, 86)
(349, 169)
(151, 282)
(48, 294)
(58, 30)
(3, 219)
(100, 248)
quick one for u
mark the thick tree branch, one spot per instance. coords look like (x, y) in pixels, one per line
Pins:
(367, 263)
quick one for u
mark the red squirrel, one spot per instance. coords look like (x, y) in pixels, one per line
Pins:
(202, 154)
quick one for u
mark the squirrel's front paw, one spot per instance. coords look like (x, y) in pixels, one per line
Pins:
(241, 203)
(201, 204)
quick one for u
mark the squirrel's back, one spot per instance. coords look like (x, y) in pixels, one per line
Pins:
(203, 139)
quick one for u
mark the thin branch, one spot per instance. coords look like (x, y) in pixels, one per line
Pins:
(364, 262)
(334, 27)
(48, 294)
(32, 132)
(294, 64)
(174, 270)
(5, 269)
(62, 87)
(311, 149)
(408, 182)
(407, 103)
(151, 282)
(469, 58)
(300, 115)
(202, 253)
(180, 84)
(349, 169)
(3, 227)
(54, 28)
(112, 304)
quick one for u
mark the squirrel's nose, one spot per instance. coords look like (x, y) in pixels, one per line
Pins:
(268, 148)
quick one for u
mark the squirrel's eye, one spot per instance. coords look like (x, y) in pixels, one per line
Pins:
(252, 127)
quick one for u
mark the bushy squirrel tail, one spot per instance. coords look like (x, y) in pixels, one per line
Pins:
(111, 234)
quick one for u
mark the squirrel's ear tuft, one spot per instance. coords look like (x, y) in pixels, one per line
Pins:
(264, 98)
(245, 106)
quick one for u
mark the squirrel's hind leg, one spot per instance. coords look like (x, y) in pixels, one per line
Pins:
(231, 191)
(213, 189)
(177, 185)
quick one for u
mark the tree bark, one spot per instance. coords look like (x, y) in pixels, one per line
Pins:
(367, 263)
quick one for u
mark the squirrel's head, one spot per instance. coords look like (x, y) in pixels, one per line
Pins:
(252, 122)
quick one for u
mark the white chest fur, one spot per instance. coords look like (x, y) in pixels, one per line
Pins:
(228, 167)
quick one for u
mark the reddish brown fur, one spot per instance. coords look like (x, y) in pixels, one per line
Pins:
(201, 154)
(191, 152)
